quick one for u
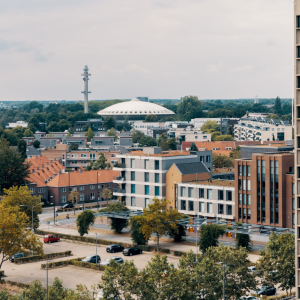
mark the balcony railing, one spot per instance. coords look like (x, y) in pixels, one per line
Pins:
(119, 191)
(122, 178)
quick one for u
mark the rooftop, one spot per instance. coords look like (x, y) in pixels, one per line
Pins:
(222, 170)
(217, 182)
(163, 154)
(192, 168)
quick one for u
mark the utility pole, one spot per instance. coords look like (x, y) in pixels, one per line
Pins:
(86, 88)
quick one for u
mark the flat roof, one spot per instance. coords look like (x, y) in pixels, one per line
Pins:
(222, 170)
(162, 154)
(217, 182)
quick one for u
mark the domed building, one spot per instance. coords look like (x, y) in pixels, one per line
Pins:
(135, 110)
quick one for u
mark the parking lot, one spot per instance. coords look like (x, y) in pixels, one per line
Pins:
(71, 275)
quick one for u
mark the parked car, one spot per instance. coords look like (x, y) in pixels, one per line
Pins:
(114, 248)
(92, 259)
(264, 291)
(131, 251)
(254, 271)
(67, 205)
(17, 255)
(117, 259)
(248, 298)
(51, 238)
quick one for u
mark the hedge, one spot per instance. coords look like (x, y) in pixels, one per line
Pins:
(1, 273)
(18, 284)
(283, 296)
(164, 250)
(56, 264)
(81, 208)
(34, 258)
(179, 253)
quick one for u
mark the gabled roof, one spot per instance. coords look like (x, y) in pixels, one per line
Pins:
(192, 168)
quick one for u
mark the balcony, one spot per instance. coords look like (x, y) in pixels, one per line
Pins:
(119, 166)
(119, 192)
(118, 179)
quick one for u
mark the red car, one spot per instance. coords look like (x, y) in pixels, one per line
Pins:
(51, 238)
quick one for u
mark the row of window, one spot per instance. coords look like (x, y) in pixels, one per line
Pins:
(146, 164)
(245, 197)
(146, 177)
(209, 193)
(147, 190)
(209, 207)
(244, 181)
(240, 168)
(146, 202)
(81, 188)
(205, 158)
(40, 190)
(246, 213)
(81, 197)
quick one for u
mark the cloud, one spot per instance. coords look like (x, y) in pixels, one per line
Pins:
(242, 68)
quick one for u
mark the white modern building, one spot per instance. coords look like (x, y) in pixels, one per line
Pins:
(145, 126)
(189, 134)
(16, 124)
(270, 130)
(207, 199)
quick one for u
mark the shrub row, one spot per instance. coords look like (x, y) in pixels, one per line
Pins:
(283, 296)
(34, 258)
(179, 253)
(56, 264)
(88, 265)
(80, 208)
(164, 250)
(14, 283)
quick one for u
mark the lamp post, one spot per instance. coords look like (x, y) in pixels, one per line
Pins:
(54, 207)
(96, 249)
(223, 267)
(97, 190)
(47, 275)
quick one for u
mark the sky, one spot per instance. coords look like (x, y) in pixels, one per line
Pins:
(162, 49)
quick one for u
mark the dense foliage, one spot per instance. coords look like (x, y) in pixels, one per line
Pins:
(84, 221)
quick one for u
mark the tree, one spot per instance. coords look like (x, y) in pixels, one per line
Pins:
(22, 146)
(158, 220)
(223, 138)
(107, 194)
(190, 107)
(210, 126)
(99, 164)
(278, 261)
(116, 224)
(209, 235)
(73, 146)
(84, 221)
(35, 291)
(236, 153)
(151, 118)
(230, 130)
(193, 147)
(21, 197)
(89, 134)
(172, 144)
(277, 106)
(28, 133)
(243, 240)
(222, 161)
(147, 141)
(136, 136)
(137, 236)
(73, 197)
(109, 122)
(178, 234)
(36, 144)
(14, 171)
(112, 132)
(15, 236)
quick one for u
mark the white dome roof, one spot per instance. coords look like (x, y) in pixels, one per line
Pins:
(135, 107)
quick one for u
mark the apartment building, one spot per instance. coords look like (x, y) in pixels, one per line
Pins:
(263, 186)
(95, 124)
(143, 173)
(207, 199)
(262, 130)
(188, 134)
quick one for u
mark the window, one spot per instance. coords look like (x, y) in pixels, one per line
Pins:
(244, 170)
(70, 190)
(92, 196)
(182, 191)
(293, 219)
(244, 184)
(191, 192)
(208, 158)
(191, 205)
(156, 177)
(102, 186)
(146, 202)
(92, 187)
(132, 163)
(81, 197)
(63, 190)
(146, 177)
(240, 184)
(83, 155)
(75, 189)
(228, 210)
(202, 158)
(183, 205)
(240, 213)
(201, 193)
(293, 203)
(248, 199)
(248, 171)
(248, 214)
(229, 195)
(81, 188)
(240, 198)
(32, 190)
(157, 165)
(132, 201)
(133, 189)
(293, 189)
(42, 190)
(146, 189)
(244, 213)
(209, 208)
(240, 170)
(201, 206)
(209, 194)
(205, 137)
(132, 173)
(146, 164)
(248, 185)
(276, 170)
(258, 170)
(263, 170)
(244, 199)
(220, 209)
(220, 195)
(109, 185)
(157, 191)
(63, 199)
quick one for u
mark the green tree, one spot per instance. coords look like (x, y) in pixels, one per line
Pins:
(89, 134)
(99, 164)
(109, 122)
(210, 126)
(193, 147)
(243, 240)
(222, 161)
(35, 292)
(236, 153)
(172, 144)
(28, 133)
(136, 136)
(112, 132)
(84, 221)
(86, 127)
(57, 291)
(190, 107)
(147, 141)
(209, 235)
(73, 146)
(158, 220)
(14, 171)
(22, 146)
(151, 118)
(107, 195)
(116, 224)
(277, 106)
(137, 236)
(223, 138)
(278, 261)
(36, 144)
(178, 234)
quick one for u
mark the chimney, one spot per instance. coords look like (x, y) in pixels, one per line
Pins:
(107, 168)
(47, 163)
(42, 166)
(37, 168)
(36, 157)
(32, 171)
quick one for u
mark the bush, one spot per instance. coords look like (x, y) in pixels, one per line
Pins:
(1, 273)
(56, 264)
(33, 258)
(165, 250)
(145, 247)
(178, 253)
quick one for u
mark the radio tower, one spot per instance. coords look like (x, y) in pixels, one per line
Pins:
(86, 89)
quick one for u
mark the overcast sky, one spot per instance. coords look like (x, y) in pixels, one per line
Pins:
(156, 48)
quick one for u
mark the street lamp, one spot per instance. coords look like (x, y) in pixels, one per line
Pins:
(96, 249)
(223, 267)
(54, 208)
(47, 274)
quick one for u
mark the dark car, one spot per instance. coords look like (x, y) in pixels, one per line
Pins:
(17, 255)
(92, 259)
(264, 291)
(68, 205)
(132, 251)
(114, 248)
(117, 259)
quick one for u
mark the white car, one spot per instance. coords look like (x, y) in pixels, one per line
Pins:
(117, 259)
(248, 298)
(254, 271)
